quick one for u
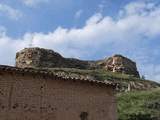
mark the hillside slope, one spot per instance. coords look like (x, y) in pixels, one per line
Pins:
(140, 105)
(126, 82)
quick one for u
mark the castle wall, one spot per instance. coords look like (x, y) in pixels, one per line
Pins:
(42, 58)
(37, 97)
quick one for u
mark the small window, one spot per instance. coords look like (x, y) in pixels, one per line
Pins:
(84, 116)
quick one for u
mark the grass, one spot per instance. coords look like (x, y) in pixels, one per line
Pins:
(139, 105)
(100, 74)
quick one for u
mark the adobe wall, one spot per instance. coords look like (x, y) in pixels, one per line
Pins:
(30, 97)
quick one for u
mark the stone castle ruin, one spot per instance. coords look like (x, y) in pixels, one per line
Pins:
(44, 58)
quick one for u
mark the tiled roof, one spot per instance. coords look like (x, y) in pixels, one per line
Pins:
(4, 68)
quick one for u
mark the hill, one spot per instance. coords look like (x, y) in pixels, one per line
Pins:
(117, 68)
(45, 58)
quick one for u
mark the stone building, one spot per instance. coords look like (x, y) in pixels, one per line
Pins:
(31, 94)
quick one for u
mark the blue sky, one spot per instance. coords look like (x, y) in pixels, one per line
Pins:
(85, 29)
(47, 15)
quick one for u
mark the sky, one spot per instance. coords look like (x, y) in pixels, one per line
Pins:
(84, 29)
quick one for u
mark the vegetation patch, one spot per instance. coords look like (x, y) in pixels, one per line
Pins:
(138, 105)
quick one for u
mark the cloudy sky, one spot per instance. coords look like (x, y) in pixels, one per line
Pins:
(85, 29)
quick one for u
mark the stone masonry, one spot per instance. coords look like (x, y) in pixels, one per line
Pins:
(26, 94)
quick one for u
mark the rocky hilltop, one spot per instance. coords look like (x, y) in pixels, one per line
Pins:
(44, 58)
(120, 64)
(117, 68)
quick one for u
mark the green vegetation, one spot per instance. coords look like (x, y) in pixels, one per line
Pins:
(99, 74)
(144, 105)
(123, 80)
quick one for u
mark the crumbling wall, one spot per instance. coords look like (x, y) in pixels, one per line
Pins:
(45, 58)
(38, 97)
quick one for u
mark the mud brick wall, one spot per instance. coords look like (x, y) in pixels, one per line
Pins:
(38, 97)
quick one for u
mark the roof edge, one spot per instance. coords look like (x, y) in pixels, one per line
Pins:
(6, 68)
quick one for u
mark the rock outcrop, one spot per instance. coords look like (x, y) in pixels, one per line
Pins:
(120, 64)
(44, 58)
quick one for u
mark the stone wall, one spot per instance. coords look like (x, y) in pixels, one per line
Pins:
(37, 97)
(45, 58)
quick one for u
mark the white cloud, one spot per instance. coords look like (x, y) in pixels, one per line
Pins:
(2, 31)
(141, 8)
(10, 12)
(33, 2)
(103, 4)
(78, 14)
(100, 35)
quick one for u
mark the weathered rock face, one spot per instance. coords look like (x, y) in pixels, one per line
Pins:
(44, 58)
(36, 57)
(120, 64)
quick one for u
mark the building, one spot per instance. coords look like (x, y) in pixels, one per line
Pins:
(30, 94)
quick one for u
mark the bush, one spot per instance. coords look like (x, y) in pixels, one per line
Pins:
(139, 116)
(153, 104)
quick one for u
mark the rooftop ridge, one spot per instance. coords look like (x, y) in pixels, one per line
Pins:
(6, 68)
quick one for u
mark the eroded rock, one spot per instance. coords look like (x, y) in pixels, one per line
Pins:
(120, 64)
(44, 58)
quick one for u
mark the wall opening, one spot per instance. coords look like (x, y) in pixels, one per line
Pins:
(84, 116)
